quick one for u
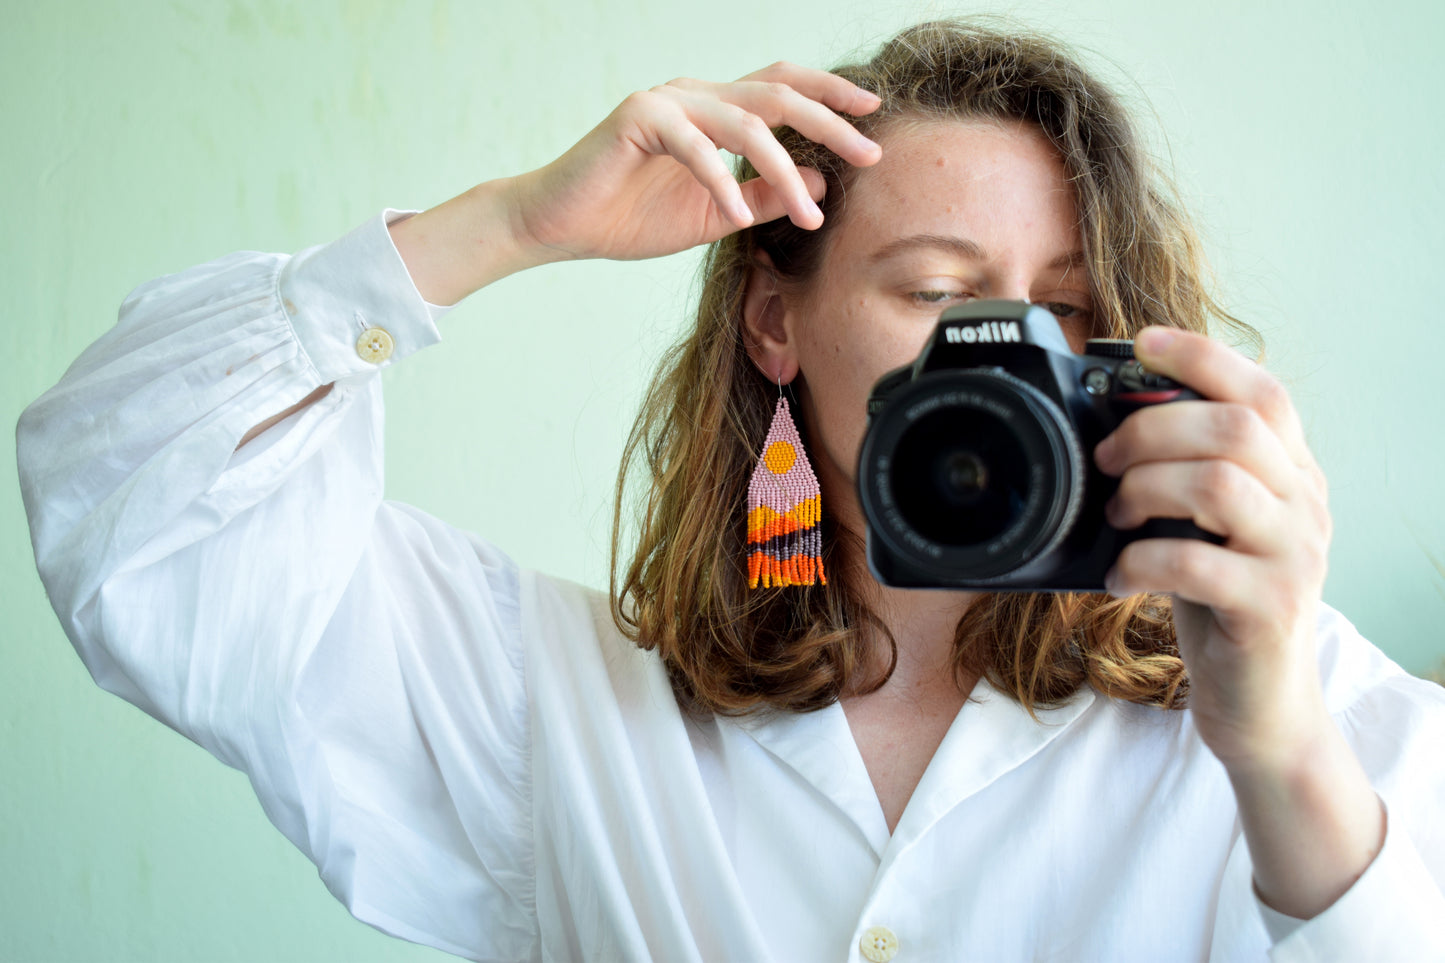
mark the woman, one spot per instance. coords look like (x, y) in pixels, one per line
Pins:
(506, 766)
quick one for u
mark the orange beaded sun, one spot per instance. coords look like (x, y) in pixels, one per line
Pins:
(780, 457)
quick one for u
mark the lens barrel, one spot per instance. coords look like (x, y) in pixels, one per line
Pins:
(971, 472)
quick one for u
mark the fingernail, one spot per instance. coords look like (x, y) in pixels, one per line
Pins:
(1111, 582)
(1154, 339)
(742, 214)
(868, 146)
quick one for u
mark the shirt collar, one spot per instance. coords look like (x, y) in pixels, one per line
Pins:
(991, 735)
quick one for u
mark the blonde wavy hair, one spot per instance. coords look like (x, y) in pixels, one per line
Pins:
(682, 590)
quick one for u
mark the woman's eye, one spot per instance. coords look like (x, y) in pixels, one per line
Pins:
(1061, 310)
(935, 297)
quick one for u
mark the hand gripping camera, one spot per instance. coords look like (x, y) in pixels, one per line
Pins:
(977, 468)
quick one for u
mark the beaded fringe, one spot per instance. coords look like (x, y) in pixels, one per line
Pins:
(785, 544)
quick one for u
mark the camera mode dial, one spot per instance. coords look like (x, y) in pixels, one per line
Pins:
(1109, 347)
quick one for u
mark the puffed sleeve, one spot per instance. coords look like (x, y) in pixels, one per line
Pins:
(359, 660)
(1395, 723)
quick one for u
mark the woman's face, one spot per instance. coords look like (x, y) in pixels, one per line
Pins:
(954, 211)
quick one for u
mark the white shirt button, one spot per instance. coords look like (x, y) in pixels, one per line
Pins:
(375, 345)
(878, 944)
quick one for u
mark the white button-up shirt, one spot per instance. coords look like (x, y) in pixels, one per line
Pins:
(475, 759)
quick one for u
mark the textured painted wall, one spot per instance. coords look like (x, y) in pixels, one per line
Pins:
(144, 137)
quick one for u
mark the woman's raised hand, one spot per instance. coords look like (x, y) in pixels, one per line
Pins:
(1237, 465)
(648, 180)
(1246, 611)
(645, 182)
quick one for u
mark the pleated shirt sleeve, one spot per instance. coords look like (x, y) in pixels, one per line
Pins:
(357, 659)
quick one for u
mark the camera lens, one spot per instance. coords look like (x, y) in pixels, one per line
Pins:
(963, 480)
(970, 474)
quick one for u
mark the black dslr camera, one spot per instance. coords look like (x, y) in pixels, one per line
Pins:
(977, 468)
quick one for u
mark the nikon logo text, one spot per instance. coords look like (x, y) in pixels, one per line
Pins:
(989, 332)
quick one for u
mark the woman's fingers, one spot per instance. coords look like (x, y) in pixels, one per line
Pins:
(1247, 595)
(678, 137)
(780, 105)
(740, 131)
(691, 119)
(820, 85)
(1195, 430)
(1218, 496)
(1206, 574)
(766, 204)
(1250, 424)
(1219, 373)
(1236, 465)
(648, 180)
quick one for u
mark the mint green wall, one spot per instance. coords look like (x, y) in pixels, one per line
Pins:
(140, 138)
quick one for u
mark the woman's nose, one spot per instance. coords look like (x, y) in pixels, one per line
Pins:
(1008, 283)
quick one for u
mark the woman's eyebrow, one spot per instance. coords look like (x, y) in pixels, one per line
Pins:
(960, 246)
(965, 248)
(1073, 259)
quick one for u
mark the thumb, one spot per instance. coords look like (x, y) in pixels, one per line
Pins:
(765, 203)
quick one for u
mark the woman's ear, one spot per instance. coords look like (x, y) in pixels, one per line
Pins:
(767, 326)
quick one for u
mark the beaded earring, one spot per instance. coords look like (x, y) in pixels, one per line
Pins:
(785, 544)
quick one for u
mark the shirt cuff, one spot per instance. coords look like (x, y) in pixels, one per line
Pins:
(1277, 924)
(1391, 912)
(352, 304)
(393, 215)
